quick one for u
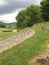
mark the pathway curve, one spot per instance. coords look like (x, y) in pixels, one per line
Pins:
(15, 40)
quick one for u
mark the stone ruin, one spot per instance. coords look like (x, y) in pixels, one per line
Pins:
(46, 28)
(15, 40)
(43, 59)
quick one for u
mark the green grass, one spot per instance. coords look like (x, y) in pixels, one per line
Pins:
(22, 53)
(5, 35)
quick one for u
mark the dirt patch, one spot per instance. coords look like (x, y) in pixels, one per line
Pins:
(37, 63)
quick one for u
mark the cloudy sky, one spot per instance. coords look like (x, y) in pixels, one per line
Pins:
(10, 8)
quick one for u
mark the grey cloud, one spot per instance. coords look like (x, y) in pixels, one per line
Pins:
(12, 5)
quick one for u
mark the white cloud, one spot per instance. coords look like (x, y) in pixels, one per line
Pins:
(5, 2)
(8, 18)
(2, 3)
(7, 8)
(37, 2)
(22, 0)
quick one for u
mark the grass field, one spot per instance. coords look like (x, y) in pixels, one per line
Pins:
(5, 35)
(22, 53)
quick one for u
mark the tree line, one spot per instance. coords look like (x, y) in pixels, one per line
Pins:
(2, 25)
(33, 14)
(8, 25)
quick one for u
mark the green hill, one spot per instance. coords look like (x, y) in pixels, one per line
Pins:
(22, 53)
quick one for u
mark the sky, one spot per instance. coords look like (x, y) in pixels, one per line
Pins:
(10, 8)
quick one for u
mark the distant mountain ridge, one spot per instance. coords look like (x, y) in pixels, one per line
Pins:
(8, 23)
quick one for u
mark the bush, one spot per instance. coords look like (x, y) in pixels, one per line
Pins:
(7, 31)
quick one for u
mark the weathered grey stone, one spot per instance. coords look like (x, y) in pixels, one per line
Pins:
(46, 28)
(44, 59)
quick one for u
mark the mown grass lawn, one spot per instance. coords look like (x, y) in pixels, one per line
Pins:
(5, 35)
(22, 53)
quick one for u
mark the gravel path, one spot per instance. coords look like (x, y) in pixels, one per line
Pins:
(15, 40)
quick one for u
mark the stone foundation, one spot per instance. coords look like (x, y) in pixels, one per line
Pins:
(46, 28)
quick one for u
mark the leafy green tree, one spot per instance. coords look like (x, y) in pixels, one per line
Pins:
(34, 12)
(20, 19)
(29, 16)
(2, 25)
(45, 9)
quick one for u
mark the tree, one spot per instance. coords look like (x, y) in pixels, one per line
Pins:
(29, 16)
(34, 12)
(2, 25)
(45, 9)
(21, 19)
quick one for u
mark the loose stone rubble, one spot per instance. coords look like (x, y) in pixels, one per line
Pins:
(46, 28)
(43, 59)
